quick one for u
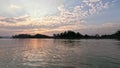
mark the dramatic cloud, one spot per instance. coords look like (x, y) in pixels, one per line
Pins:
(39, 18)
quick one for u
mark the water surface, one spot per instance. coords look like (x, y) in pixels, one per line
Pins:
(59, 53)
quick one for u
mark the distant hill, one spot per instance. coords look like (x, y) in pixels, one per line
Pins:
(41, 36)
(31, 36)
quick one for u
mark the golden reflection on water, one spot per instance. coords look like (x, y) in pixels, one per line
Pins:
(35, 43)
(35, 52)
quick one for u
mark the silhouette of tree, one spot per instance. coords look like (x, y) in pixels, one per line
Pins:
(68, 35)
(71, 35)
(40, 36)
(22, 36)
(31, 36)
(116, 35)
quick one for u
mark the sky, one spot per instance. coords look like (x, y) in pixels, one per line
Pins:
(55, 16)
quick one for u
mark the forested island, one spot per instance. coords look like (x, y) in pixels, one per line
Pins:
(31, 36)
(77, 35)
(70, 35)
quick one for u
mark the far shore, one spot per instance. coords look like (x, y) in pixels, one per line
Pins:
(64, 35)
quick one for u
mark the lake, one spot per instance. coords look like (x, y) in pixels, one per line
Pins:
(59, 53)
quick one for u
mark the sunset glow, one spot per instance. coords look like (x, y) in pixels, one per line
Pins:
(41, 16)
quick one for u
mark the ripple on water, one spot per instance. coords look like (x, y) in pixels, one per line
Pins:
(49, 53)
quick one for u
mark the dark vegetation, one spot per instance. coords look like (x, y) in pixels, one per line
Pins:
(70, 35)
(112, 36)
(31, 36)
(77, 35)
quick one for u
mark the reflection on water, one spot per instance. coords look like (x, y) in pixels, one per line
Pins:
(59, 53)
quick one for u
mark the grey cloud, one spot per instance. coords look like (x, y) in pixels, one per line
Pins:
(13, 20)
(65, 18)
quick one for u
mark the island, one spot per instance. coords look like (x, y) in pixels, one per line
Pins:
(70, 35)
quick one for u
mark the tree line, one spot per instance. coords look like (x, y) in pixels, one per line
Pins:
(77, 35)
(70, 35)
(30, 36)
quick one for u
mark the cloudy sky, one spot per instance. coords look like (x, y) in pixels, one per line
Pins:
(53, 16)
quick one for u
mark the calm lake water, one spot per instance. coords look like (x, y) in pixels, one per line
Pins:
(59, 53)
